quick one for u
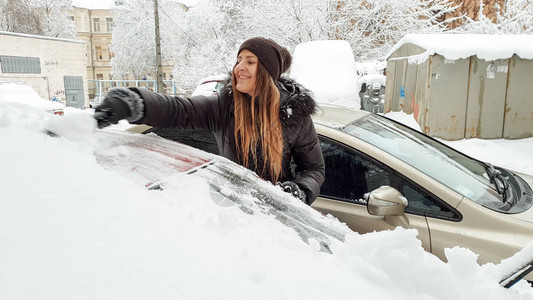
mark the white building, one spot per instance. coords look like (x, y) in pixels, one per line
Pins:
(54, 67)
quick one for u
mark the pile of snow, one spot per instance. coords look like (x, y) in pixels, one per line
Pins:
(25, 95)
(71, 229)
(458, 46)
(328, 69)
(371, 79)
(370, 67)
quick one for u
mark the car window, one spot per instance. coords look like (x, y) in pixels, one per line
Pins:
(423, 203)
(350, 175)
(457, 171)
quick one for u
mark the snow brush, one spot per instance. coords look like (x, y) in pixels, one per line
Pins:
(79, 126)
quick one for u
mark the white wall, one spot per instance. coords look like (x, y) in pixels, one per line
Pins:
(58, 57)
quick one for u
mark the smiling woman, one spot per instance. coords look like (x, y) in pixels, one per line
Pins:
(260, 119)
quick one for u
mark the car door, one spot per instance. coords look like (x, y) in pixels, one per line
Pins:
(350, 175)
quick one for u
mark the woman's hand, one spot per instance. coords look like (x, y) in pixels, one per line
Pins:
(292, 188)
(118, 104)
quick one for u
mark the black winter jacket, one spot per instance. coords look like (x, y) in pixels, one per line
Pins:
(215, 113)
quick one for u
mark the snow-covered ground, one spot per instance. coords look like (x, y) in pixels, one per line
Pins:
(70, 229)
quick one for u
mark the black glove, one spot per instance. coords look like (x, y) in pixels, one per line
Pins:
(292, 188)
(118, 104)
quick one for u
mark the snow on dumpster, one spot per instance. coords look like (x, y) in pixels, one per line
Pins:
(328, 69)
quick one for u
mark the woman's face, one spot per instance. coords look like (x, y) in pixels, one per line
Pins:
(245, 72)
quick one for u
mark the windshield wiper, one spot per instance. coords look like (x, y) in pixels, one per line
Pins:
(501, 183)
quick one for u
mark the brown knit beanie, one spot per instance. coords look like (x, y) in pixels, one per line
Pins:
(275, 58)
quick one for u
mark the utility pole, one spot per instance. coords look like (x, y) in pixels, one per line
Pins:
(159, 72)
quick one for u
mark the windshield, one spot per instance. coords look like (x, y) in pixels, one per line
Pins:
(459, 172)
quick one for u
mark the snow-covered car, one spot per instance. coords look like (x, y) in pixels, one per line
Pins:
(151, 160)
(82, 222)
(22, 94)
(211, 85)
(381, 174)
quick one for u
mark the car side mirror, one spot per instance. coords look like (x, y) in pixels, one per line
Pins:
(386, 201)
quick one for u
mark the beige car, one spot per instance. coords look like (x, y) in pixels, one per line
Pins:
(381, 174)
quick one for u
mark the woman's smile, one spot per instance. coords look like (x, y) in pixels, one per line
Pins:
(246, 71)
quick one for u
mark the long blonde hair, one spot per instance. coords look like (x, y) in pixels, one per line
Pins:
(257, 120)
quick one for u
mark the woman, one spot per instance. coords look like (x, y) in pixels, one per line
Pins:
(260, 120)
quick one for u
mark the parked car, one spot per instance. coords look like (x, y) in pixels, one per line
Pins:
(26, 95)
(381, 174)
(211, 85)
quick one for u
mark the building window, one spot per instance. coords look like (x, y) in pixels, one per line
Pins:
(99, 76)
(111, 54)
(109, 23)
(99, 52)
(96, 24)
(20, 65)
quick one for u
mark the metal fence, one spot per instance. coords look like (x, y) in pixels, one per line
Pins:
(98, 88)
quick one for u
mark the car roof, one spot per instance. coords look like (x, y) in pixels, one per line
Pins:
(337, 116)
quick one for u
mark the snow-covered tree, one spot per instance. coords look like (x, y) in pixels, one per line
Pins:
(514, 17)
(20, 16)
(373, 27)
(57, 21)
(214, 29)
(133, 39)
(291, 22)
(209, 40)
(204, 40)
(39, 17)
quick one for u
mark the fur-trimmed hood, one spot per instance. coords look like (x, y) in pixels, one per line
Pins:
(296, 101)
